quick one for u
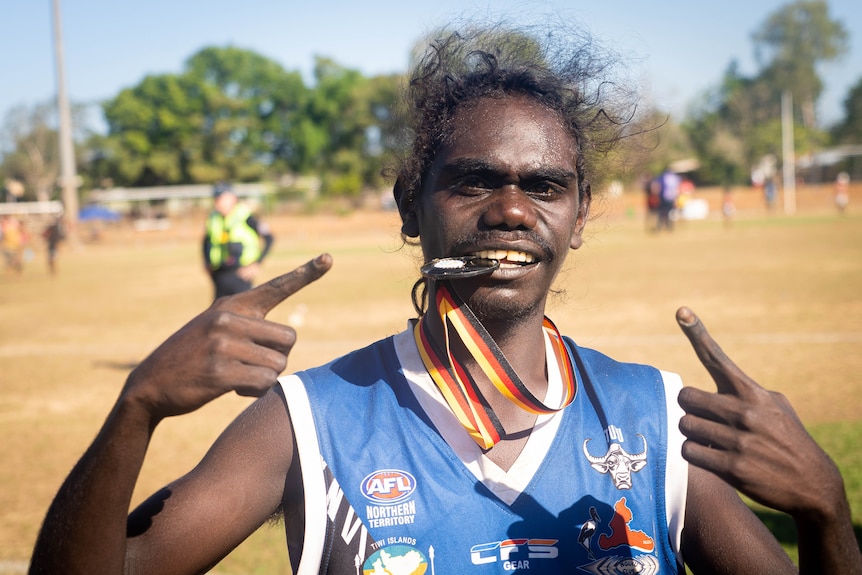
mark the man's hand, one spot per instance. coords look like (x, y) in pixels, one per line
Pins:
(752, 438)
(229, 347)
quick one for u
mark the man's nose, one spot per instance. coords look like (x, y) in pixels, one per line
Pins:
(509, 207)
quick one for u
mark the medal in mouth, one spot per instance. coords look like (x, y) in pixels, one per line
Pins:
(480, 263)
(460, 267)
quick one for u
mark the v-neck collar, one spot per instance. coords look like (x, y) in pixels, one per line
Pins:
(505, 485)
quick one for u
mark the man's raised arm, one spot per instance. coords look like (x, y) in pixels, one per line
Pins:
(229, 347)
(752, 438)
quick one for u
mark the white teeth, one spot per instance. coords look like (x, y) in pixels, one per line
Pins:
(507, 255)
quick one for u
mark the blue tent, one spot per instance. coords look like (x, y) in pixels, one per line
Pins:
(94, 212)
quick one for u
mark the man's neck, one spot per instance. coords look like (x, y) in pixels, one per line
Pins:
(520, 337)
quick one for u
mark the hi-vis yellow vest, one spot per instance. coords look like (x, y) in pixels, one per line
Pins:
(232, 241)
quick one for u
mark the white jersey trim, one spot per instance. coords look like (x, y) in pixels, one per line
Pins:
(310, 460)
(676, 472)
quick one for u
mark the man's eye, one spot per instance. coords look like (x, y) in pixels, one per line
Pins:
(472, 185)
(545, 189)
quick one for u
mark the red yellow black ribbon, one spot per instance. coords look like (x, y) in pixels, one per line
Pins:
(457, 386)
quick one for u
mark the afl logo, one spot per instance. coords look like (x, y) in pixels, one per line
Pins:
(388, 486)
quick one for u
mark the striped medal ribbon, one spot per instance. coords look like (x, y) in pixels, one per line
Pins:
(459, 389)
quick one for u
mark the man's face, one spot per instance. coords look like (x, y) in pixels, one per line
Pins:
(225, 202)
(504, 186)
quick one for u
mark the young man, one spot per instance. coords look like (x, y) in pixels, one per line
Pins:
(479, 440)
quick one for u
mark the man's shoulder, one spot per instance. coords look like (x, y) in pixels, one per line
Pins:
(367, 359)
(614, 372)
(352, 383)
(592, 356)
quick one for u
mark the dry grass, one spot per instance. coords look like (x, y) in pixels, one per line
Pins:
(783, 296)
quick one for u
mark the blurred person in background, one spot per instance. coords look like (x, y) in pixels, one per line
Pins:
(728, 208)
(669, 183)
(842, 192)
(235, 243)
(13, 242)
(652, 189)
(53, 234)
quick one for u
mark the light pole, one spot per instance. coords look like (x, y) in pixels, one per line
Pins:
(788, 154)
(68, 177)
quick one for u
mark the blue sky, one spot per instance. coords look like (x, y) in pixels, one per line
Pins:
(679, 48)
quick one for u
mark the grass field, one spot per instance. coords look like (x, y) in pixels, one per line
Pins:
(783, 295)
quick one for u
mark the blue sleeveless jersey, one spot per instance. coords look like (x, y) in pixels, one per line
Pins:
(402, 492)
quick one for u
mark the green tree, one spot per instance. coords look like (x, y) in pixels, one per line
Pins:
(33, 154)
(252, 115)
(652, 140)
(790, 45)
(849, 130)
(383, 136)
(30, 148)
(352, 124)
(739, 122)
(717, 124)
(153, 131)
(232, 115)
(236, 115)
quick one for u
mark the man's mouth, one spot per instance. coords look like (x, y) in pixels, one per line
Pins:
(507, 258)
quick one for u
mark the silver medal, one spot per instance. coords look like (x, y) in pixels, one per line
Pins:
(462, 267)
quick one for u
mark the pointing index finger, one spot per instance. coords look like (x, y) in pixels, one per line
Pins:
(726, 374)
(260, 300)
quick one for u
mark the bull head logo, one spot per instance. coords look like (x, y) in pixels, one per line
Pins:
(618, 463)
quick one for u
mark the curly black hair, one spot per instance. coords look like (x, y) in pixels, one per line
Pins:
(561, 68)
